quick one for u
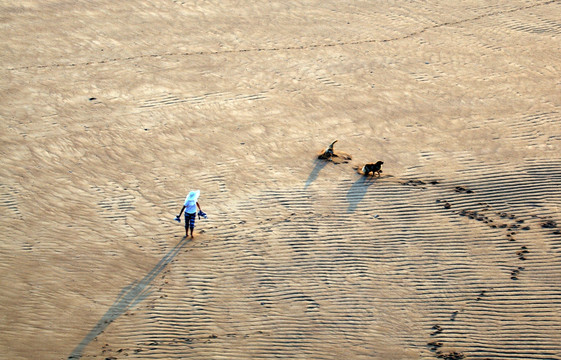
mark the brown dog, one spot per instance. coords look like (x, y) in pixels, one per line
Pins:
(375, 169)
(328, 152)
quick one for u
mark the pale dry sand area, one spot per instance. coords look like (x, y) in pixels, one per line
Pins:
(112, 111)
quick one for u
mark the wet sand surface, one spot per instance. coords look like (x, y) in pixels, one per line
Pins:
(111, 113)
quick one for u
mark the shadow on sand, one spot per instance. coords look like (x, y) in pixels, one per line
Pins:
(357, 191)
(129, 297)
(319, 164)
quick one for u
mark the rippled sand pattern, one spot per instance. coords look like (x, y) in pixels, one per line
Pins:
(112, 112)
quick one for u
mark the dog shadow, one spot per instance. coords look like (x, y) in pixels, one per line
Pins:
(319, 165)
(129, 297)
(357, 191)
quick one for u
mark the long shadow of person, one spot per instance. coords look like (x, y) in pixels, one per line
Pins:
(357, 191)
(129, 297)
(319, 164)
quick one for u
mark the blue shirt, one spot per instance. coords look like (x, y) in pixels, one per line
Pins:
(190, 207)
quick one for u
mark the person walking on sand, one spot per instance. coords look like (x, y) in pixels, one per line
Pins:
(190, 207)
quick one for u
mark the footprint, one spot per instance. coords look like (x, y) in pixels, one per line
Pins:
(515, 272)
(437, 330)
(523, 251)
(414, 183)
(461, 189)
(453, 355)
(434, 345)
(549, 224)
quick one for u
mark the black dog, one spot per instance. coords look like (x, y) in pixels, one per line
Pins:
(375, 169)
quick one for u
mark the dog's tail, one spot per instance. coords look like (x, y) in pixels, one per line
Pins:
(330, 147)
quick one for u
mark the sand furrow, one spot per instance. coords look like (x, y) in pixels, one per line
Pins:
(323, 259)
(112, 112)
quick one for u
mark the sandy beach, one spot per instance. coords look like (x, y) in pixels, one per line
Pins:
(111, 112)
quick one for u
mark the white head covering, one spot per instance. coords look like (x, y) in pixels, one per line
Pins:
(191, 202)
(193, 195)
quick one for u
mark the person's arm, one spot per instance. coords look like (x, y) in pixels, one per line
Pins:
(199, 206)
(183, 208)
